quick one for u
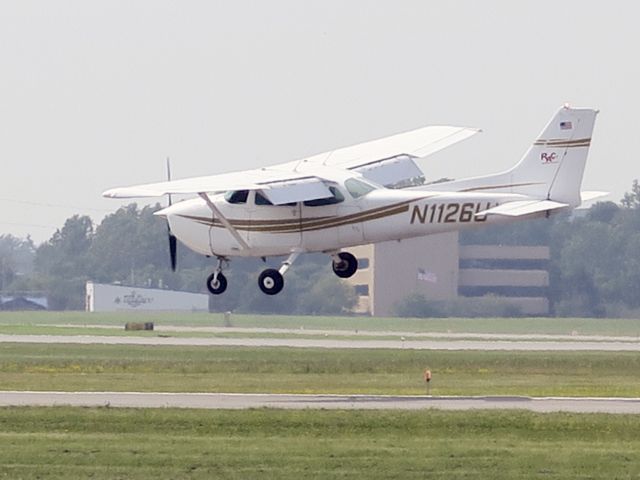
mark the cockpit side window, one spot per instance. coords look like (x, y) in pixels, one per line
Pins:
(357, 188)
(262, 200)
(236, 196)
(337, 197)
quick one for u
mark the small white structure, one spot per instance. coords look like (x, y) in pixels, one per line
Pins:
(112, 298)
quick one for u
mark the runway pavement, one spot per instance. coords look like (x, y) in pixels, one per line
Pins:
(286, 401)
(169, 329)
(479, 344)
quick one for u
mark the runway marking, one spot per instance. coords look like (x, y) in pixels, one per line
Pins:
(493, 345)
(236, 401)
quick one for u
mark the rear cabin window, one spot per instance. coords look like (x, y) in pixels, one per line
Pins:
(236, 196)
(336, 197)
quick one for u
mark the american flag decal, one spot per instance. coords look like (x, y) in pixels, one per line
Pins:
(566, 126)
(426, 276)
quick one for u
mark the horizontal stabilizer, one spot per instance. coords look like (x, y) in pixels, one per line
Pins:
(588, 196)
(523, 207)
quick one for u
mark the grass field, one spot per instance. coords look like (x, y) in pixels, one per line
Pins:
(104, 443)
(566, 326)
(289, 370)
(164, 443)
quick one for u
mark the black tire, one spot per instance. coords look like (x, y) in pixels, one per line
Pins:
(346, 266)
(270, 281)
(219, 287)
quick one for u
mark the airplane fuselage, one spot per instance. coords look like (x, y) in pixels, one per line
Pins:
(378, 216)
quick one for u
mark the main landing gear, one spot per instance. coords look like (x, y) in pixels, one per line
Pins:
(271, 281)
(344, 264)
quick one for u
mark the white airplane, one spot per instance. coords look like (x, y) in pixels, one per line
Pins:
(339, 199)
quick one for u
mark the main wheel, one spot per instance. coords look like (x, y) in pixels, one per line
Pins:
(219, 285)
(346, 266)
(270, 281)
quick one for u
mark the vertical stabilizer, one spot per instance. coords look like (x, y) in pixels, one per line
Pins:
(551, 169)
(554, 164)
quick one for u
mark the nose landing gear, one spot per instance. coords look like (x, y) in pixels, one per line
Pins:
(217, 282)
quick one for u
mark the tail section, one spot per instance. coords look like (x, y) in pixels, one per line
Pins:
(551, 169)
(554, 164)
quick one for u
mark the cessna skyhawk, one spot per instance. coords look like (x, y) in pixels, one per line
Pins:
(366, 193)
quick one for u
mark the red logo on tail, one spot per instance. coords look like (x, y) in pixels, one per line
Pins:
(548, 157)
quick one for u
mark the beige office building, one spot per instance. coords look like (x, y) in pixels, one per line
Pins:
(437, 267)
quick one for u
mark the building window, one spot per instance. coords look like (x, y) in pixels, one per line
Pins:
(362, 290)
(363, 263)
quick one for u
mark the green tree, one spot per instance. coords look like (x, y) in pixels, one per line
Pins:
(16, 260)
(632, 199)
(63, 263)
(130, 246)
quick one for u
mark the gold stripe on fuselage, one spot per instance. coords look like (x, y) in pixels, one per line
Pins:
(308, 224)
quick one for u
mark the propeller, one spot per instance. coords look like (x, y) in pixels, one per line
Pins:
(173, 241)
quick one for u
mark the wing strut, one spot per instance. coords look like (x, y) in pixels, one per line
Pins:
(224, 221)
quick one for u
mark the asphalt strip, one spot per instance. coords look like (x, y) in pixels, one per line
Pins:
(238, 401)
(330, 343)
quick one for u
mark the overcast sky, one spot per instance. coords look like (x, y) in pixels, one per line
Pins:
(96, 94)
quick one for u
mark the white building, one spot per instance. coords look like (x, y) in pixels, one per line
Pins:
(112, 298)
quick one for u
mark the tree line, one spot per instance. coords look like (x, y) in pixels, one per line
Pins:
(594, 266)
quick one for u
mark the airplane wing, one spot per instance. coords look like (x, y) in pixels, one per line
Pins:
(386, 161)
(391, 170)
(523, 207)
(416, 143)
(247, 180)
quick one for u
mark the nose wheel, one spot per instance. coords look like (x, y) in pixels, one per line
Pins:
(217, 282)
